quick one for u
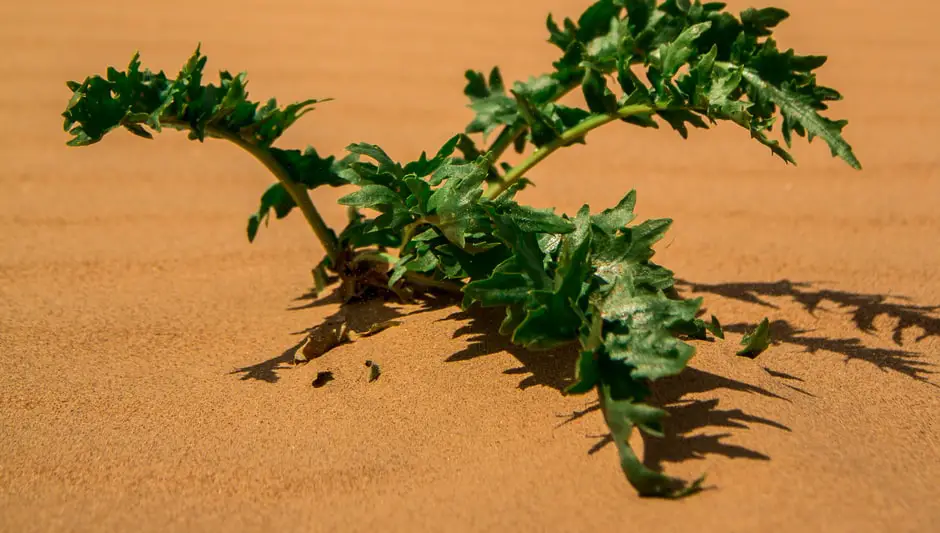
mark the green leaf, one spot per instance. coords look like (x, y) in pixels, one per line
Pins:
(616, 218)
(399, 269)
(542, 129)
(308, 168)
(598, 96)
(456, 201)
(756, 341)
(621, 416)
(552, 315)
(796, 109)
(677, 53)
(275, 198)
(371, 196)
(653, 353)
(424, 166)
(502, 288)
(385, 162)
(760, 21)
(530, 219)
(527, 256)
(715, 327)
(587, 372)
(493, 107)
(595, 21)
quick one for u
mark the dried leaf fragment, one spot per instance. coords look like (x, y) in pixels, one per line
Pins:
(323, 338)
(373, 329)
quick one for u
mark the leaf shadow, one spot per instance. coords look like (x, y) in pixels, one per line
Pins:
(902, 361)
(690, 427)
(689, 432)
(359, 317)
(549, 368)
(864, 309)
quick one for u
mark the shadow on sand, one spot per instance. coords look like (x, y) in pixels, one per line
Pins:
(863, 309)
(687, 432)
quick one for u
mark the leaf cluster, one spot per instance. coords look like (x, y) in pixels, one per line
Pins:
(142, 102)
(692, 63)
(451, 221)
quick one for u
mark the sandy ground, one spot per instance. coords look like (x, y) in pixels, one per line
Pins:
(143, 341)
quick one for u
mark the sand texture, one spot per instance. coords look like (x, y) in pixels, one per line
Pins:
(145, 344)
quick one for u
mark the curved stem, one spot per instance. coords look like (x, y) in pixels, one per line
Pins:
(566, 138)
(297, 191)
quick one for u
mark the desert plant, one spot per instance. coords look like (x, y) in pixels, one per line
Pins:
(450, 222)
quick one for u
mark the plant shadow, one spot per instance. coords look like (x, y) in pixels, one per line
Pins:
(689, 432)
(359, 317)
(864, 309)
(687, 435)
(691, 429)
(548, 368)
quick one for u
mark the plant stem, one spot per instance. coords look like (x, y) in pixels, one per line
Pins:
(506, 137)
(296, 190)
(446, 286)
(569, 136)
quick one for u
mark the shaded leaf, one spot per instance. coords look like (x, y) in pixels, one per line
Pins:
(755, 342)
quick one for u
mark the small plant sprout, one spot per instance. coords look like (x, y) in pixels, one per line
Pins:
(449, 222)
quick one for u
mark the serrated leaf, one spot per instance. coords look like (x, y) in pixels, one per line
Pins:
(530, 219)
(760, 21)
(275, 198)
(455, 202)
(714, 327)
(798, 111)
(616, 218)
(586, 374)
(677, 53)
(552, 315)
(385, 162)
(489, 101)
(424, 166)
(502, 288)
(370, 196)
(621, 416)
(599, 98)
(542, 129)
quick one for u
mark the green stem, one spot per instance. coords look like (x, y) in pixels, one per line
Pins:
(569, 136)
(509, 134)
(296, 190)
(446, 286)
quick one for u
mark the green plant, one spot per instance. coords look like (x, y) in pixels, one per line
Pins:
(450, 222)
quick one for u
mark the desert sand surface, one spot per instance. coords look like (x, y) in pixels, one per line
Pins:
(145, 344)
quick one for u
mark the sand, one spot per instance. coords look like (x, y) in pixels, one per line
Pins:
(144, 344)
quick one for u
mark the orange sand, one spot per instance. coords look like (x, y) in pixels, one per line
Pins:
(128, 294)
